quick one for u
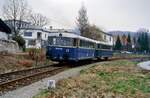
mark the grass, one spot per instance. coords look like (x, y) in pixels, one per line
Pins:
(43, 93)
(129, 55)
(121, 79)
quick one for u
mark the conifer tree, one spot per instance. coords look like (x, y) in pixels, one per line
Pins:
(118, 45)
(143, 42)
(129, 44)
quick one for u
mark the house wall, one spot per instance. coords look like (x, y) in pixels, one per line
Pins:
(3, 35)
(8, 46)
(108, 39)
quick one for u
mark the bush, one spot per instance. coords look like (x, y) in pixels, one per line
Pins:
(26, 63)
(37, 54)
(32, 53)
(20, 41)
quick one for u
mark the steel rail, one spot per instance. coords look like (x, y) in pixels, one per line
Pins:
(11, 84)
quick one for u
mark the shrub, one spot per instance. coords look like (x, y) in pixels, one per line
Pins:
(32, 53)
(20, 41)
(26, 63)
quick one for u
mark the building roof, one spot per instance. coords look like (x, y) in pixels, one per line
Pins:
(11, 20)
(4, 27)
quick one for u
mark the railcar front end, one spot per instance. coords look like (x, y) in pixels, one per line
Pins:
(70, 47)
(61, 49)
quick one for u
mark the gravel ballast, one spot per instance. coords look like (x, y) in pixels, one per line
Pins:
(33, 89)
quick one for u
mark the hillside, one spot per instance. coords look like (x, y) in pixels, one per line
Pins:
(116, 33)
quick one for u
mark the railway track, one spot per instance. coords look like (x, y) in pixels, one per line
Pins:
(13, 80)
(17, 74)
(16, 79)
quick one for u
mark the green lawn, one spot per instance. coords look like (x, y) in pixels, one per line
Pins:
(119, 79)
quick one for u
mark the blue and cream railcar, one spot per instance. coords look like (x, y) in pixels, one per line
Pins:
(103, 50)
(70, 47)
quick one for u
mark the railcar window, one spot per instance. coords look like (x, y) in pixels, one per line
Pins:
(60, 41)
(105, 47)
(98, 46)
(86, 44)
(75, 42)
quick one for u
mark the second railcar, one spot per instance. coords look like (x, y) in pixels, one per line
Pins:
(103, 50)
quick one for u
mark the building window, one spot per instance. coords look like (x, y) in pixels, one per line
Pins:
(31, 42)
(104, 37)
(110, 39)
(27, 33)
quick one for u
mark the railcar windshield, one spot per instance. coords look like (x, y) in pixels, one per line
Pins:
(60, 41)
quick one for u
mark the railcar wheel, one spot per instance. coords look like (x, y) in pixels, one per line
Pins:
(106, 58)
(99, 58)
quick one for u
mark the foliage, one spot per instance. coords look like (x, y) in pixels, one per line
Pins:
(94, 33)
(20, 41)
(124, 42)
(143, 41)
(43, 93)
(32, 53)
(37, 55)
(86, 29)
(118, 45)
(129, 43)
(26, 63)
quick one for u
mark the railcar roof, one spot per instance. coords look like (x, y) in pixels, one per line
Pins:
(104, 43)
(72, 35)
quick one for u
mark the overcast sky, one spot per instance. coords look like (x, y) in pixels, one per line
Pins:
(106, 14)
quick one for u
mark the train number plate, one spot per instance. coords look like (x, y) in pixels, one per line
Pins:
(59, 49)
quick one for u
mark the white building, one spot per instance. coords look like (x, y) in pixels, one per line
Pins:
(3, 35)
(108, 38)
(34, 37)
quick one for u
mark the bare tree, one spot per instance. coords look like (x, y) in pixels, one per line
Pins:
(38, 19)
(86, 29)
(82, 21)
(16, 10)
